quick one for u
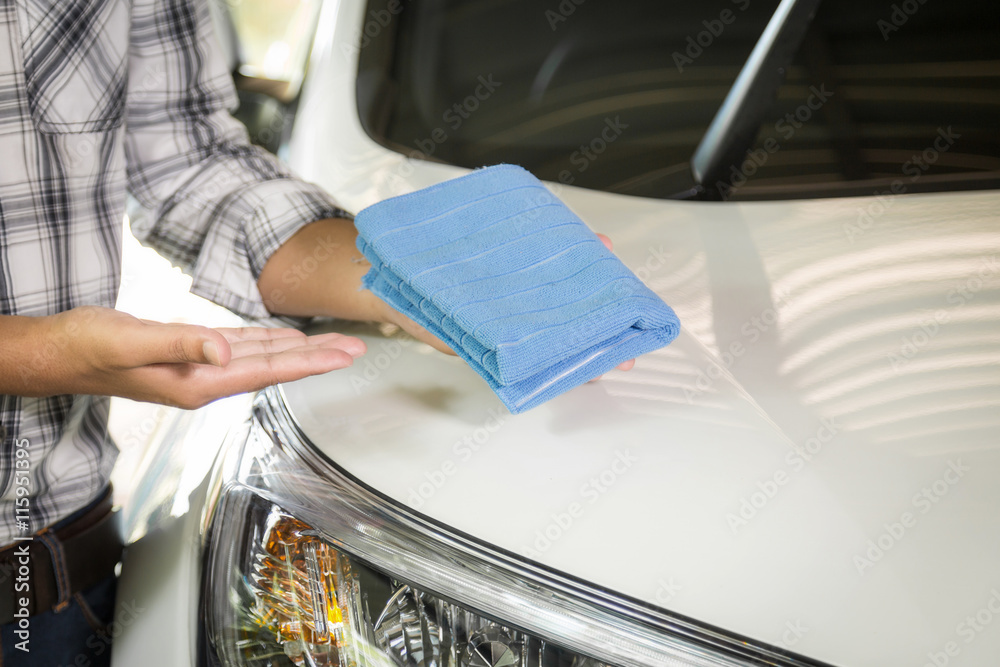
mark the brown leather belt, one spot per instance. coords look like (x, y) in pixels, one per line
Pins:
(49, 569)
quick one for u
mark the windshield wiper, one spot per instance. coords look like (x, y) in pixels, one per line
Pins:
(736, 123)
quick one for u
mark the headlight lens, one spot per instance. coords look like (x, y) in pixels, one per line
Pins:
(293, 599)
(307, 567)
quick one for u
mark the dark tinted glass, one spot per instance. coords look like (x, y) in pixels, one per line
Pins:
(616, 95)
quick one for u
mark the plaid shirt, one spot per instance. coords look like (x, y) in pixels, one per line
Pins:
(98, 97)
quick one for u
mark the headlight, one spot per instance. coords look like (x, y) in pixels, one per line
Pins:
(297, 600)
(305, 566)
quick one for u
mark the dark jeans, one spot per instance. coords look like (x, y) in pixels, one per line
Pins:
(77, 636)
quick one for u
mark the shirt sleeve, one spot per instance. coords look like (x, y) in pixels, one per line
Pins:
(219, 205)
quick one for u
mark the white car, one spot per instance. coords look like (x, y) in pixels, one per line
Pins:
(808, 475)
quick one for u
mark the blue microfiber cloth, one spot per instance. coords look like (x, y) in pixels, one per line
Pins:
(515, 283)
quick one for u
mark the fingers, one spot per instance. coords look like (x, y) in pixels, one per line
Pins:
(154, 343)
(234, 335)
(425, 336)
(191, 386)
(349, 344)
(245, 348)
(606, 241)
(263, 370)
(416, 330)
(626, 365)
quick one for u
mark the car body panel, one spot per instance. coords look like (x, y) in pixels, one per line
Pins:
(836, 358)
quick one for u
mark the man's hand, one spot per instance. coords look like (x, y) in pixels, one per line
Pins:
(93, 350)
(318, 272)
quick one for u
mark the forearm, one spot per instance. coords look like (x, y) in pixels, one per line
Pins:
(318, 272)
(17, 376)
(32, 358)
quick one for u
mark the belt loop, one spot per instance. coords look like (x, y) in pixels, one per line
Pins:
(59, 568)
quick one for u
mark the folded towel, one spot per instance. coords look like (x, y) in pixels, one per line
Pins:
(515, 283)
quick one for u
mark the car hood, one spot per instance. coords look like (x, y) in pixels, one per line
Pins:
(813, 462)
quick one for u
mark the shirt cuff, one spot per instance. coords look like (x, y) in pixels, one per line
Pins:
(252, 223)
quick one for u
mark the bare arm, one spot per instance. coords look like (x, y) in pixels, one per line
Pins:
(318, 271)
(91, 350)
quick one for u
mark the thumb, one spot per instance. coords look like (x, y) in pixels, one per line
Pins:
(181, 343)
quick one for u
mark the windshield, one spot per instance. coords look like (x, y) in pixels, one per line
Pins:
(885, 96)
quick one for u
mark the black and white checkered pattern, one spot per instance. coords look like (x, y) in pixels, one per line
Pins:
(98, 97)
